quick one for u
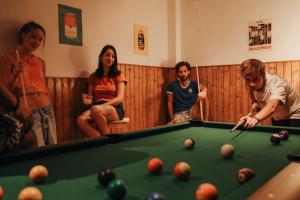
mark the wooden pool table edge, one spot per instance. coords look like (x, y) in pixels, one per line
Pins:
(284, 185)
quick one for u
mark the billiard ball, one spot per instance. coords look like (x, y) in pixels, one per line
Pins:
(244, 175)
(189, 143)
(116, 189)
(206, 191)
(182, 170)
(105, 176)
(227, 151)
(38, 174)
(155, 166)
(30, 193)
(1, 192)
(284, 135)
(155, 196)
(275, 139)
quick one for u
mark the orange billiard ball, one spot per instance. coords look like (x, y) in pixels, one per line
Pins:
(38, 173)
(206, 191)
(30, 193)
(155, 166)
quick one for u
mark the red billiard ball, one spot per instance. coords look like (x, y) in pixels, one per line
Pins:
(206, 191)
(275, 139)
(244, 175)
(116, 189)
(284, 135)
(155, 166)
(1, 192)
(105, 176)
(182, 170)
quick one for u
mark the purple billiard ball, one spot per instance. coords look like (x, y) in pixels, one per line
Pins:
(284, 135)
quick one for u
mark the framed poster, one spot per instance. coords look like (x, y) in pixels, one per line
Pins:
(69, 25)
(140, 40)
(260, 35)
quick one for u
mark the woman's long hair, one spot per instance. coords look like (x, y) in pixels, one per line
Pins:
(113, 71)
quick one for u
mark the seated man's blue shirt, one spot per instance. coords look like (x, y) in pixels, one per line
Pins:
(183, 97)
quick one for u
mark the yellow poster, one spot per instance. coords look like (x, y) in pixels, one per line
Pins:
(140, 40)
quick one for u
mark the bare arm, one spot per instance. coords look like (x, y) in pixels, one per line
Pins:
(267, 111)
(120, 95)
(170, 105)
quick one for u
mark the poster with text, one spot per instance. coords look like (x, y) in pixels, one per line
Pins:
(260, 35)
(70, 25)
(140, 40)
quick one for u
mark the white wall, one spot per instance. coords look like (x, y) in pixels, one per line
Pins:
(104, 22)
(214, 32)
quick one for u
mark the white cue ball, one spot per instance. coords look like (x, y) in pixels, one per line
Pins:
(227, 151)
(189, 143)
(30, 193)
(38, 173)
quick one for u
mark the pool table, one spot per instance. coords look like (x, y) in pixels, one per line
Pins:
(73, 167)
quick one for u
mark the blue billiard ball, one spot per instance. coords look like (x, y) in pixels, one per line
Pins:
(155, 196)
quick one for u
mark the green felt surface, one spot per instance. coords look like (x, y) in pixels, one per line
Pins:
(73, 175)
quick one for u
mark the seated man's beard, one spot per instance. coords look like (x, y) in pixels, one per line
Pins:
(183, 78)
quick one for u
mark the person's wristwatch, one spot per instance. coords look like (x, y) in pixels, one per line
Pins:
(255, 117)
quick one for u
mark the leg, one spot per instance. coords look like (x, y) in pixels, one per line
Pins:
(84, 125)
(37, 127)
(101, 114)
(51, 137)
(195, 110)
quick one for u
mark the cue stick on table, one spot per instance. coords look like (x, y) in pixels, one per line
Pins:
(236, 126)
(22, 81)
(201, 108)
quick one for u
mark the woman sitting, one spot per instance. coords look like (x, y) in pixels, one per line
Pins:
(106, 89)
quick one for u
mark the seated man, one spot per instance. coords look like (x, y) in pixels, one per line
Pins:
(15, 122)
(184, 97)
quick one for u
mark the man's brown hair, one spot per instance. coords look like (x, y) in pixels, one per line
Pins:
(252, 66)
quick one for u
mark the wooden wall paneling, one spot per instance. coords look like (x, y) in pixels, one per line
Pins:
(210, 92)
(162, 96)
(136, 96)
(239, 89)
(220, 93)
(279, 69)
(232, 93)
(65, 108)
(226, 93)
(51, 86)
(214, 94)
(58, 109)
(148, 95)
(295, 75)
(155, 98)
(288, 71)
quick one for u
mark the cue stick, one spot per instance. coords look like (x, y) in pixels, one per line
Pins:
(236, 126)
(201, 110)
(22, 81)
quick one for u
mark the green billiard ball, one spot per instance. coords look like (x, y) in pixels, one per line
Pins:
(116, 189)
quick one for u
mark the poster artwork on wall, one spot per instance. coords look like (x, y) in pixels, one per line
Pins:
(260, 35)
(140, 40)
(70, 25)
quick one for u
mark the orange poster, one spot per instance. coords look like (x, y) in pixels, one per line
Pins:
(140, 40)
